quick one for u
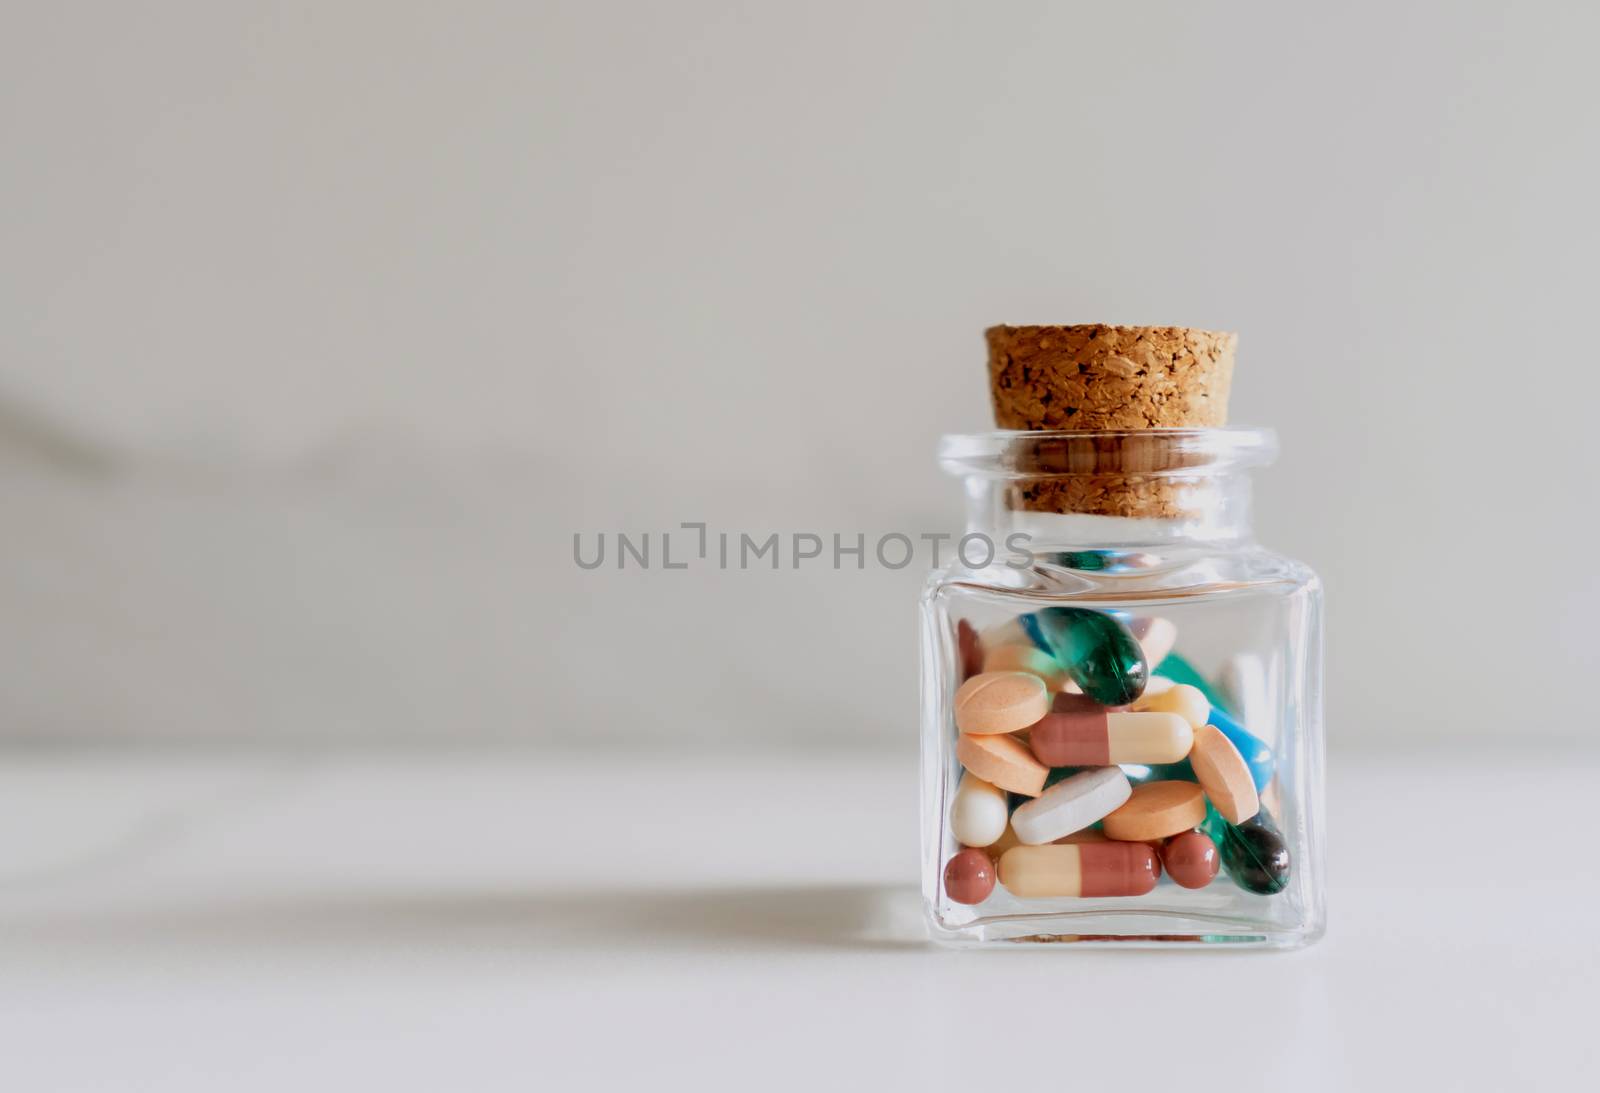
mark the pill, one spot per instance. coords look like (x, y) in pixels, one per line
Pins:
(969, 876)
(1191, 859)
(1078, 733)
(1072, 804)
(995, 702)
(1255, 752)
(1156, 810)
(1156, 636)
(1224, 775)
(1182, 699)
(1026, 658)
(1097, 651)
(970, 648)
(1004, 762)
(1074, 870)
(978, 813)
(1255, 855)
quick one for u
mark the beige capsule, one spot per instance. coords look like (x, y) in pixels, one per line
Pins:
(1079, 870)
(1182, 699)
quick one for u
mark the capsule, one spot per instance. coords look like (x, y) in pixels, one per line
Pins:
(1191, 859)
(970, 648)
(1255, 855)
(1187, 702)
(978, 813)
(1097, 651)
(969, 876)
(1079, 733)
(1086, 870)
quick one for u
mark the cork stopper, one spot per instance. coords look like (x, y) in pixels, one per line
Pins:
(1099, 378)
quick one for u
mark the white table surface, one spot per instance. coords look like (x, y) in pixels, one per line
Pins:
(516, 921)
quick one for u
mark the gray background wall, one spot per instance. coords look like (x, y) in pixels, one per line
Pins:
(326, 326)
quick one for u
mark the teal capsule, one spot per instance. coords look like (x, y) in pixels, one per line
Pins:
(1099, 653)
(1254, 853)
(1090, 561)
(1100, 561)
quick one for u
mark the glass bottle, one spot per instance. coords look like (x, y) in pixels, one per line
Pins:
(1117, 567)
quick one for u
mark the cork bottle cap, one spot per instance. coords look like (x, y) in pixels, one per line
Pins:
(1109, 377)
(1114, 382)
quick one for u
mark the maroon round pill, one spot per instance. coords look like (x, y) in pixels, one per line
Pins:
(969, 876)
(1191, 859)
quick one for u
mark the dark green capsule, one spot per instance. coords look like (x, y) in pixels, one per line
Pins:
(1091, 561)
(1254, 854)
(1098, 652)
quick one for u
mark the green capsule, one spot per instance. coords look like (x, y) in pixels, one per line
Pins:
(1254, 852)
(1099, 653)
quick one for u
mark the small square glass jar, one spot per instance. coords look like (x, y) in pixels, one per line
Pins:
(1115, 567)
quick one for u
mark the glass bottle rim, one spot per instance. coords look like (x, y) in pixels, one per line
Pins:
(1040, 453)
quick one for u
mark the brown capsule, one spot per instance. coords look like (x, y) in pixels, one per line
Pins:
(1191, 859)
(969, 876)
(1087, 870)
(971, 649)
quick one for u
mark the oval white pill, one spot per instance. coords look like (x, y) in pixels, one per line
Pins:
(978, 813)
(1072, 804)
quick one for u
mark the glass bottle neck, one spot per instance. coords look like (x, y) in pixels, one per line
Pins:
(1208, 509)
(1067, 490)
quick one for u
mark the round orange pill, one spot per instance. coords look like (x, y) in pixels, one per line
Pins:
(1156, 810)
(1224, 775)
(997, 702)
